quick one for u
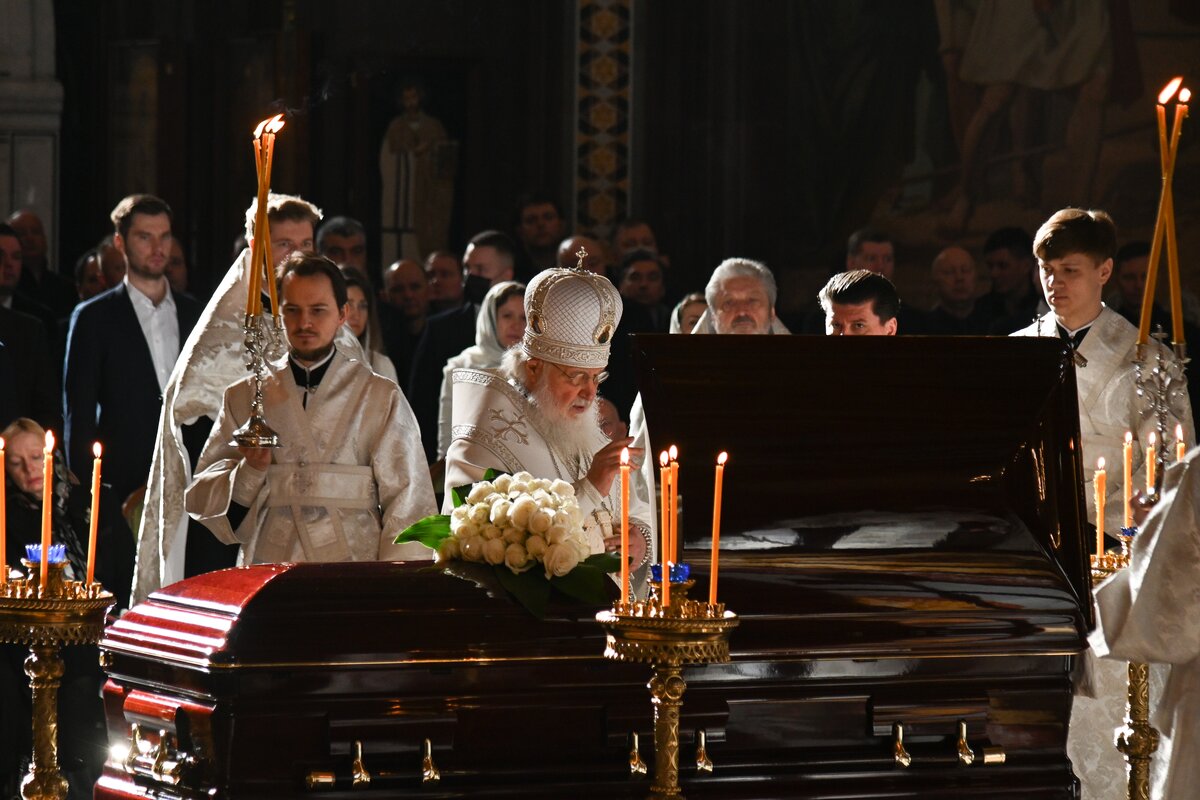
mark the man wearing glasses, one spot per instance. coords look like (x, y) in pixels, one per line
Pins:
(538, 411)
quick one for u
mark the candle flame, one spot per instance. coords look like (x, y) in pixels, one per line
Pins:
(662, 458)
(275, 124)
(1152, 438)
(1128, 437)
(96, 449)
(721, 459)
(258, 131)
(49, 441)
(1100, 463)
(624, 456)
(1, 443)
(1185, 95)
(673, 451)
(1179, 432)
(1169, 90)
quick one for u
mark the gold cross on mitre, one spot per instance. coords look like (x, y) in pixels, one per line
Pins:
(581, 255)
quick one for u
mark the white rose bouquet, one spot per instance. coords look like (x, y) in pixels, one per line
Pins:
(530, 530)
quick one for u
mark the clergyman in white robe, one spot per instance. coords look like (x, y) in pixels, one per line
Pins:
(347, 478)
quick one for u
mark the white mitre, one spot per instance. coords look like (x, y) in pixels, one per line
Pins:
(571, 316)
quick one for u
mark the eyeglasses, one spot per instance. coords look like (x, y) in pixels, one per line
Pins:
(580, 379)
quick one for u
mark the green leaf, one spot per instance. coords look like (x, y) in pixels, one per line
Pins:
(458, 494)
(531, 588)
(605, 562)
(429, 531)
(490, 474)
(585, 583)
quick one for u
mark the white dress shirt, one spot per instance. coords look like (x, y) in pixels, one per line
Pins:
(160, 326)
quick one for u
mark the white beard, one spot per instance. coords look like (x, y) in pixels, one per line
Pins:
(571, 434)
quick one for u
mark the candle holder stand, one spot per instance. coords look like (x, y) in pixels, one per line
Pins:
(1161, 382)
(259, 338)
(667, 638)
(45, 619)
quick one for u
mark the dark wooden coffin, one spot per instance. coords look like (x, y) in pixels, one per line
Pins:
(944, 595)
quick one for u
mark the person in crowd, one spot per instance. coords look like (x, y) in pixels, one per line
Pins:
(32, 389)
(499, 325)
(121, 349)
(1013, 300)
(611, 424)
(487, 260)
(403, 313)
(445, 278)
(955, 313)
(539, 229)
(343, 240)
(860, 303)
(741, 299)
(177, 267)
(112, 263)
(595, 260)
(39, 281)
(687, 313)
(640, 279)
(11, 271)
(348, 475)
(89, 275)
(363, 321)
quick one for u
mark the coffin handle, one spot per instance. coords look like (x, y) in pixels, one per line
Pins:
(966, 756)
(359, 776)
(636, 765)
(898, 752)
(429, 770)
(703, 762)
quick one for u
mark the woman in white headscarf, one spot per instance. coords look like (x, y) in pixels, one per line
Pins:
(688, 313)
(499, 325)
(363, 320)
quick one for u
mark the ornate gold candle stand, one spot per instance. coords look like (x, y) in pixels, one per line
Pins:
(67, 612)
(1137, 740)
(683, 632)
(263, 337)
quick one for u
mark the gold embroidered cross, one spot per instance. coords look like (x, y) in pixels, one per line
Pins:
(516, 426)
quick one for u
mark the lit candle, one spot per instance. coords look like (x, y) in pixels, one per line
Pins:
(273, 128)
(1128, 482)
(665, 484)
(1150, 465)
(1099, 481)
(1180, 445)
(673, 452)
(1164, 96)
(624, 524)
(3, 517)
(718, 480)
(47, 504)
(91, 565)
(256, 242)
(1181, 111)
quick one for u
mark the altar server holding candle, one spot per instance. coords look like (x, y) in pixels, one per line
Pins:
(1075, 251)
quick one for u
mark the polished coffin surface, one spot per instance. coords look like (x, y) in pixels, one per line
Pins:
(937, 590)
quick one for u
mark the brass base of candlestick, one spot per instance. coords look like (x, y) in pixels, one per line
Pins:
(1138, 740)
(667, 638)
(46, 618)
(261, 336)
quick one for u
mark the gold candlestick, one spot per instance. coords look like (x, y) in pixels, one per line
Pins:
(64, 612)
(668, 637)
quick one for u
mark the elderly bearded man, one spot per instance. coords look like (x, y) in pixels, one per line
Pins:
(741, 299)
(537, 412)
(349, 473)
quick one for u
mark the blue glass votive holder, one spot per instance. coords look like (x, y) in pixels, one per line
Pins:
(679, 573)
(58, 553)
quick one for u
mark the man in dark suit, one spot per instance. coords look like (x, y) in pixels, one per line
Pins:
(488, 260)
(121, 349)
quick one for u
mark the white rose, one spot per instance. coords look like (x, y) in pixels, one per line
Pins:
(517, 488)
(491, 532)
(448, 549)
(493, 551)
(542, 498)
(479, 491)
(576, 515)
(540, 520)
(501, 508)
(540, 484)
(468, 529)
(517, 559)
(472, 548)
(480, 512)
(563, 518)
(560, 559)
(535, 546)
(581, 548)
(522, 477)
(459, 514)
(562, 488)
(557, 534)
(502, 483)
(513, 535)
(521, 511)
